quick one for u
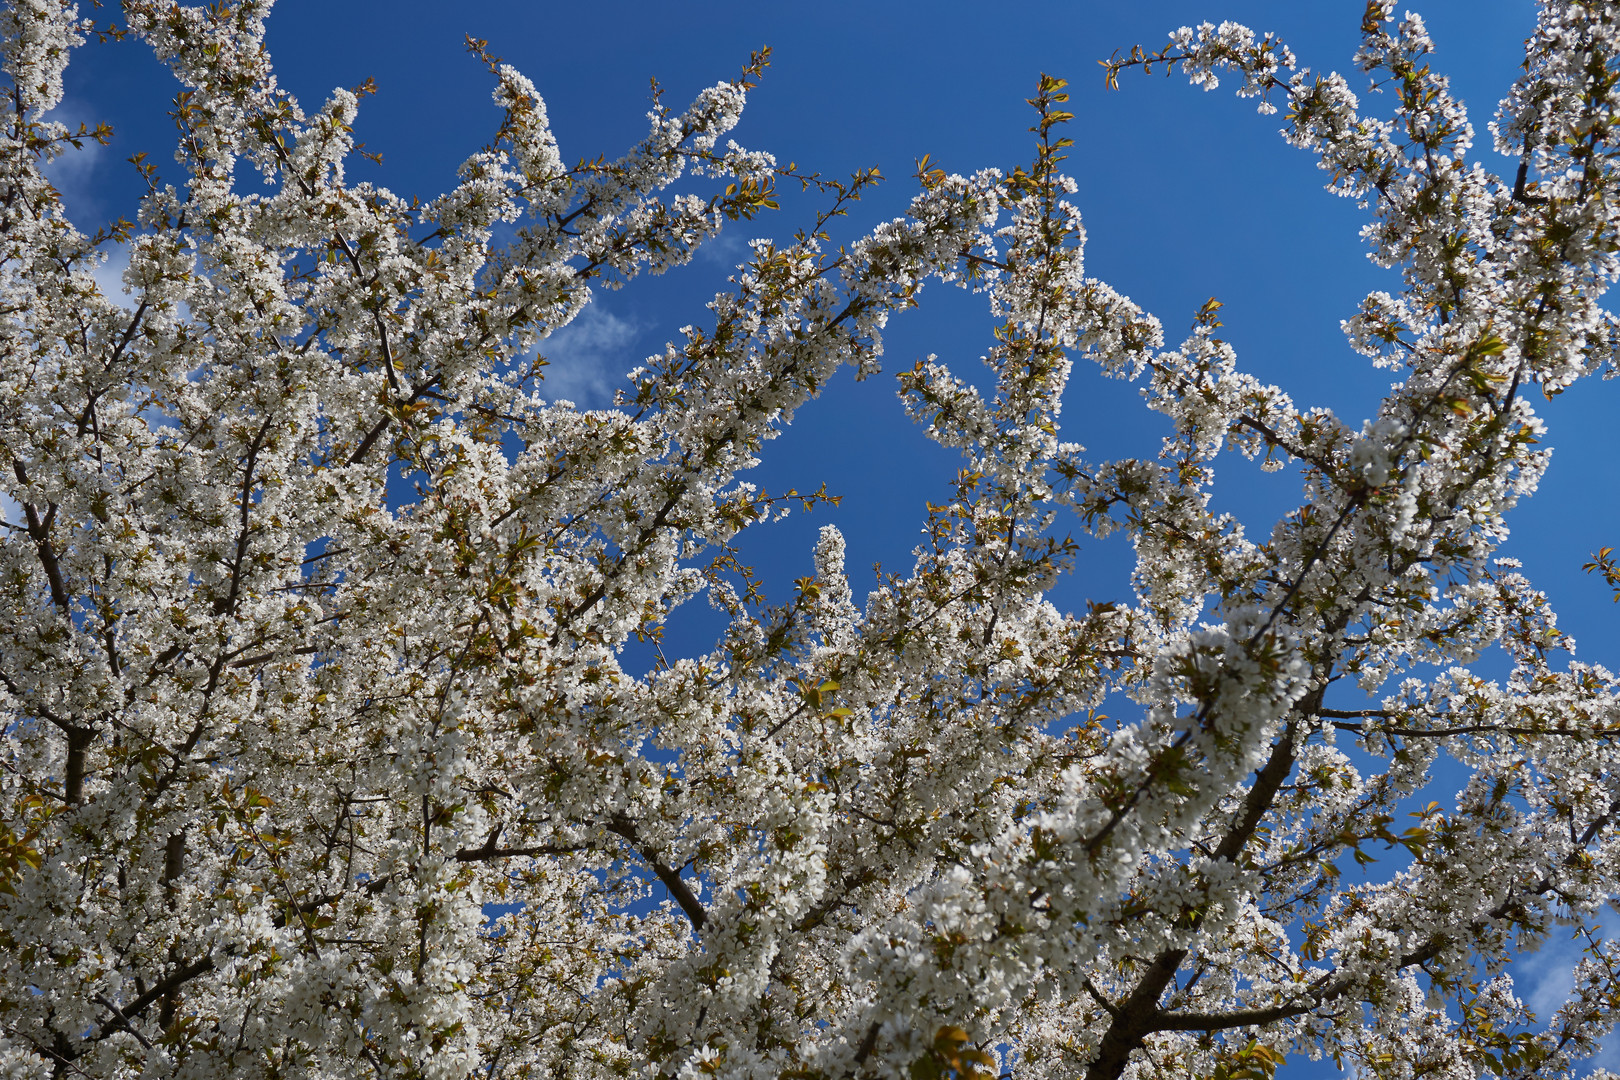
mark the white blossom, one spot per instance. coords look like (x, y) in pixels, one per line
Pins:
(304, 781)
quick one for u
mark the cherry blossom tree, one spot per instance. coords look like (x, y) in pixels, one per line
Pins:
(304, 781)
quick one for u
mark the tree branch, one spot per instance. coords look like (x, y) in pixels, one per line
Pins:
(671, 878)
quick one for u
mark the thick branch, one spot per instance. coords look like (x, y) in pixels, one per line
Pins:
(122, 1020)
(489, 853)
(39, 531)
(1476, 729)
(671, 878)
(77, 749)
(1236, 1018)
(1139, 1014)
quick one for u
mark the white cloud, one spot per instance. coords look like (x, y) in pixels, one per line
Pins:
(1544, 979)
(727, 250)
(74, 172)
(110, 275)
(588, 358)
(75, 175)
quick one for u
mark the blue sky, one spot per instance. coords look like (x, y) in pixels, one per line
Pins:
(1186, 195)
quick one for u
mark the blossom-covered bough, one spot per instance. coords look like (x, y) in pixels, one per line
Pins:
(278, 748)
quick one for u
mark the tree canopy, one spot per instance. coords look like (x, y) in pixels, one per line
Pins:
(303, 778)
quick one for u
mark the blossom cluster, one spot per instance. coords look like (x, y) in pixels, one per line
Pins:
(302, 781)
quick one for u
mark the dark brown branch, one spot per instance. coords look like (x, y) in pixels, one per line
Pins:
(818, 914)
(671, 878)
(227, 603)
(77, 749)
(124, 1020)
(591, 599)
(1118, 814)
(39, 710)
(1237, 1018)
(1327, 989)
(487, 853)
(1108, 1007)
(1139, 1014)
(128, 335)
(39, 531)
(1523, 176)
(174, 859)
(118, 1014)
(1134, 1017)
(1474, 729)
(382, 425)
(302, 650)
(372, 436)
(383, 347)
(868, 1044)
